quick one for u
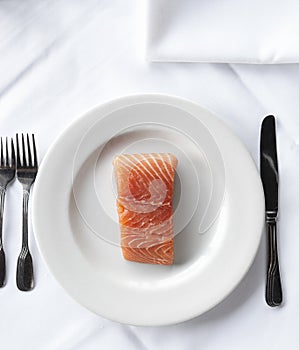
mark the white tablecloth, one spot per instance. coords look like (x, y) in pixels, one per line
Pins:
(58, 59)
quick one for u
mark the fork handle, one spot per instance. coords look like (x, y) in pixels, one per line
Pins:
(25, 266)
(26, 193)
(2, 254)
(273, 283)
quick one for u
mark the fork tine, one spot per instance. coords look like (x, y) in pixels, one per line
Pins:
(13, 155)
(29, 152)
(18, 153)
(24, 151)
(34, 152)
(1, 154)
(7, 157)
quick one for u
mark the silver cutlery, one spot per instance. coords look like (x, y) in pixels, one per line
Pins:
(27, 167)
(7, 174)
(269, 175)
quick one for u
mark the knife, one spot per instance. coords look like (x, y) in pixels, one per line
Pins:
(269, 175)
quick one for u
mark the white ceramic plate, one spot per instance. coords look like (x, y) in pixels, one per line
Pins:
(218, 219)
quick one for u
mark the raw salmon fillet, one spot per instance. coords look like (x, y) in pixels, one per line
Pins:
(145, 184)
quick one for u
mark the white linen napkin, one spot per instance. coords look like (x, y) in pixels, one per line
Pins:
(232, 31)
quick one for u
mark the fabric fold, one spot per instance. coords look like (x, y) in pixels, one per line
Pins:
(223, 31)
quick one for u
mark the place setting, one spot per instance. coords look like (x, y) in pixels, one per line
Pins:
(148, 209)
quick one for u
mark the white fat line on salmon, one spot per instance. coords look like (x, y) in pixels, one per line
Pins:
(150, 165)
(159, 156)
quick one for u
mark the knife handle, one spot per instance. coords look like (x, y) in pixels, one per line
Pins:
(273, 284)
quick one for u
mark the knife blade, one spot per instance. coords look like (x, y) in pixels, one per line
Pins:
(270, 179)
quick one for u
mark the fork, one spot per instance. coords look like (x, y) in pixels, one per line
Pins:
(7, 174)
(26, 173)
